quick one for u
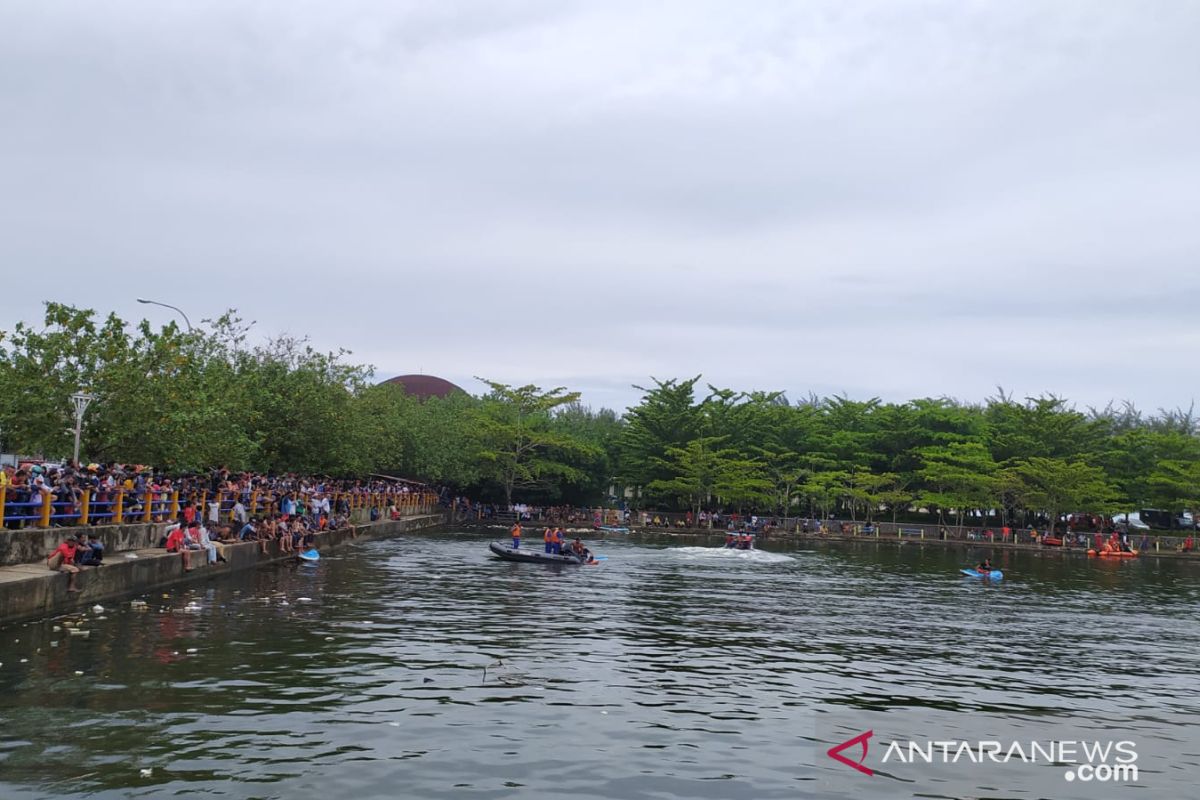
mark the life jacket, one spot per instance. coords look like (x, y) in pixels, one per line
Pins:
(548, 536)
(516, 531)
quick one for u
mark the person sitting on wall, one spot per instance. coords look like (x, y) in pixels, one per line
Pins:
(63, 560)
(177, 543)
(89, 552)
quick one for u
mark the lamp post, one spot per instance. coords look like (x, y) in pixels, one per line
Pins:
(167, 305)
(81, 400)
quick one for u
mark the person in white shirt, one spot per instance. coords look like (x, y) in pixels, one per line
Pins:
(239, 512)
(207, 544)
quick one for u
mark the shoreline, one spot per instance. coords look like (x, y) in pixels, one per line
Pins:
(30, 591)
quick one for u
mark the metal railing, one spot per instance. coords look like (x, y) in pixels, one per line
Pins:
(120, 506)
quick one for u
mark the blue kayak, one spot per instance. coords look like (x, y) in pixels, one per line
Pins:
(310, 555)
(994, 575)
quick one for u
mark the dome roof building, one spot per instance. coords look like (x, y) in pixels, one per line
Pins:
(424, 386)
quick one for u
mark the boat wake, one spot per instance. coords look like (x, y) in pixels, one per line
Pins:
(728, 554)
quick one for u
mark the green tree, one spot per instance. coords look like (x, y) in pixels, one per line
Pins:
(1056, 486)
(957, 477)
(520, 449)
(702, 470)
(666, 417)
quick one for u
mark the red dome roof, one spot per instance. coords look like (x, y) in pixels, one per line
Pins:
(424, 386)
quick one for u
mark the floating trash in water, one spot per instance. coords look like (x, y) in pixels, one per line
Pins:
(284, 603)
(57, 628)
(394, 724)
(78, 632)
(329, 638)
(193, 650)
(24, 660)
(304, 599)
(131, 555)
(97, 609)
(54, 644)
(78, 672)
(145, 773)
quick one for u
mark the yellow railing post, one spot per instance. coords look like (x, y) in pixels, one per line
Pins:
(85, 506)
(175, 504)
(46, 509)
(119, 511)
(147, 505)
(3, 490)
(254, 503)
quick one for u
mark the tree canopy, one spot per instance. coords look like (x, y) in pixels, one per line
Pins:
(188, 400)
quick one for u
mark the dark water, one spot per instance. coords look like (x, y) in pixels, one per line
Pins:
(423, 668)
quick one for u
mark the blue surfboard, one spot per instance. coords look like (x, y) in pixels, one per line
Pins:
(994, 575)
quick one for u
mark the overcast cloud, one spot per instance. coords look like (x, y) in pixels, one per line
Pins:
(894, 199)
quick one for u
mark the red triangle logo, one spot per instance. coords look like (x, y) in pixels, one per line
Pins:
(835, 752)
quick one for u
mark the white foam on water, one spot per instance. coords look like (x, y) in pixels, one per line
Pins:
(729, 554)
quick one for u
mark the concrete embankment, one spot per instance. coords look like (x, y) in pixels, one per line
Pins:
(31, 590)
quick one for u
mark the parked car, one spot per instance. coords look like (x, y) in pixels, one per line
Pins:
(1131, 521)
(1155, 519)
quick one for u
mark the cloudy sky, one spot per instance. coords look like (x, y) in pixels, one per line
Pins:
(893, 199)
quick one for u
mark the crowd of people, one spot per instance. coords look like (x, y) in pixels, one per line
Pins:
(209, 512)
(225, 494)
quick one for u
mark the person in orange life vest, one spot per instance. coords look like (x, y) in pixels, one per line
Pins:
(516, 536)
(1099, 540)
(548, 539)
(63, 560)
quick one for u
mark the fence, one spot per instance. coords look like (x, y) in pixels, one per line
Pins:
(119, 506)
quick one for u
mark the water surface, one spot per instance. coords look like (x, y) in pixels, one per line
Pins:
(421, 667)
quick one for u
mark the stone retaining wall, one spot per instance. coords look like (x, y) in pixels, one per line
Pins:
(31, 590)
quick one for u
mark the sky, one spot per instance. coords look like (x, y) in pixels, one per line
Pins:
(878, 199)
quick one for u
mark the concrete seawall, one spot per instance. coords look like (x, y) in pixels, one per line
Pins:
(31, 591)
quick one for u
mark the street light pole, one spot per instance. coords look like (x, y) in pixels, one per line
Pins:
(167, 305)
(81, 400)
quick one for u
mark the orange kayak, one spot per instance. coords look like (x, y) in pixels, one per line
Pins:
(1113, 554)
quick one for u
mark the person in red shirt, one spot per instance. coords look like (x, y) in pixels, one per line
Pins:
(63, 560)
(177, 543)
